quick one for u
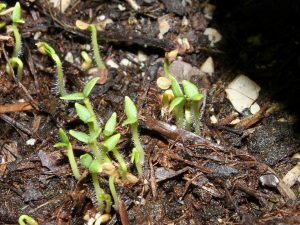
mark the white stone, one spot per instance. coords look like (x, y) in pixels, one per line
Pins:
(31, 141)
(112, 64)
(208, 66)
(242, 92)
(69, 57)
(213, 119)
(125, 62)
(213, 36)
(254, 108)
(121, 7)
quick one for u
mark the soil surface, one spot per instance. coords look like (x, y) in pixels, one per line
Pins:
(230, 174)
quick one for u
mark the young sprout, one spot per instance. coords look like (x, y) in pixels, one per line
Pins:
(112, 188)
(2, 7)
(110, 145)
(94, 167)
(65, 143)
(15, 62)
(25, 219)
(135, 158)
(46, 49)
(87, 63)
(16, 19)
(91, 140)
(92, 28)
(84, 96)
(193, 95)
(132, 119)
(178, 102)
(166, 98)
(110, 126)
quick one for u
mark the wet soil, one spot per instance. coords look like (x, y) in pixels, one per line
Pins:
(230, 174)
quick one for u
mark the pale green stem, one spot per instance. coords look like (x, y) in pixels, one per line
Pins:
(96, 151)
(18, 40)
(60, 74)
(89, 107)
(12, 63)
(98, 190)
(179, 115)
(107, 199)
(138, 168)
(187, 112)
(195, 108)
(72, 162)
(123, 167)
(113, 191)
(137, 143)
(29, 220)
(97, 56)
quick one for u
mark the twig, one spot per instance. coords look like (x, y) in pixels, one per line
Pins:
(15, 124)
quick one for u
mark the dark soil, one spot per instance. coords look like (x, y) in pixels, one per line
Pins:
(231, 174)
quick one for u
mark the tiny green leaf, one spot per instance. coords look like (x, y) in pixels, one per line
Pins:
(95, 167)
(63, 136)
(16, 15)
(60, 145)
(73, 96)
(134, 155)
(176, 88)
(167, 69)
(111, 142)
(89, 86)
(83, 113)
(80, 136)
(130, 111)
(94, 135)
(2, 6)
(175, 102)
(110, 125)
(45, 49)
(191, 90)
(86, 160)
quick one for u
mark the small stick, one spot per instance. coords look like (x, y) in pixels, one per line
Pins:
(15, 107)
(15, 124)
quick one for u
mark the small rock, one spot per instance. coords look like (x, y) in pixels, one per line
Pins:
(69, 57)
(31, 141)
(174, 6)
(183, 71)
(254, 108)
(213, 36)
(269, 180)
(208, 66)
(242, 93)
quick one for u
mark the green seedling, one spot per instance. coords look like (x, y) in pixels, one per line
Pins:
(2, 7)
(194, 96)
(135, 158)
(46, 49)
(87, 61)
(84, 96)
(110, 145)
(91, 140)
(25, 219)
(15, 62)
(65, 143)
(98, 59)
(110, 126)
(94, 167)
(17, 20)
(132, 119)
(178, 102)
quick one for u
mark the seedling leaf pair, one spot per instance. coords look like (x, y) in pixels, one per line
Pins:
(130, 111)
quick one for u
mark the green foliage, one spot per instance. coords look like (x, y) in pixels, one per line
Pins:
(46, 49)
(13, 63)
(110, 125)
(187, 100)
(87, 63)
(25, 219)
(130, 111)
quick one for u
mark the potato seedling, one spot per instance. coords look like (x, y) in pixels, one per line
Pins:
(17, 20)
(110, 145)
(84, 96)
(178, 102)
(65, 143)
(132, 119)
(94, 167)
(98, 59)
(87, 61)
(194, 97)
(46, 49)
(13, 63)
(25, 219)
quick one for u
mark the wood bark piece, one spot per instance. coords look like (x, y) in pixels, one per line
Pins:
(15, 107)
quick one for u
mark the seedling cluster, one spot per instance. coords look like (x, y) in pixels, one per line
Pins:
(103, 144)
(15, 61)
(184, 103)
